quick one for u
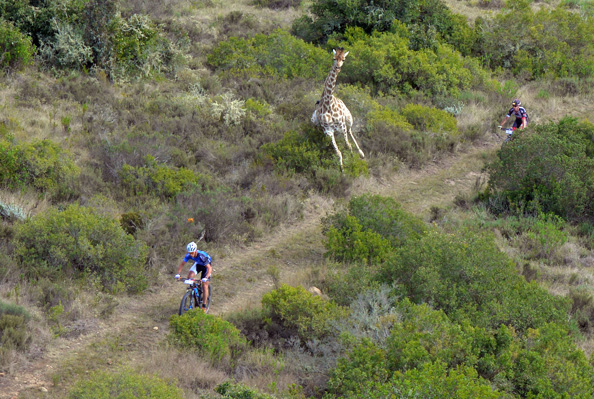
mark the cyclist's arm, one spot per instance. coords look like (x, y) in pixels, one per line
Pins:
(505, 120)
(524, 123)
(181, 266)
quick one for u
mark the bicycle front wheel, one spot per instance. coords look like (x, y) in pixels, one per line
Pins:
(187, 303)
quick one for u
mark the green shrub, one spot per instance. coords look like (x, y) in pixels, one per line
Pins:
(364, 365)
(435, 380)
(543, 363)
(430, 119)
(277, 55)
(298, 312)
(14, 331)
(385, 62)
(372, 227)
(123, 384)
(352, 244)
(16, 49)
(42, 165)
(554, 42)
(68, 50)
(549, 169)
(423, 335)
(467, 276)
(161, 180)
(312, 155)
(429, 20)
(544, 239)
(239, 391)
(212, 336)
(140, 49)
(79, 241)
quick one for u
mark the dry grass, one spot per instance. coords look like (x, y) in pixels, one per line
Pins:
(191, 373)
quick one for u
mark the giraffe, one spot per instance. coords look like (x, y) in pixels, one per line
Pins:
(331, 114)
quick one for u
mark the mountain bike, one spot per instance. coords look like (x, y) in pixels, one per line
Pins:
(193, 296)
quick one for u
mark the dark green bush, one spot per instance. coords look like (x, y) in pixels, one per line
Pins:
(300, 313)
(277, 55)
(468, 277)
(212, 336)
(131, 222)
(16, 49)
(78, 241)
(422, 16)
(549, 169)
(124, 384)
(43, 165)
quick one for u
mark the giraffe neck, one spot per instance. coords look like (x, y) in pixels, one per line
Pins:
(330, 84)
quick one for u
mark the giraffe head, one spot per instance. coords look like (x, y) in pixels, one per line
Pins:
(339, 56)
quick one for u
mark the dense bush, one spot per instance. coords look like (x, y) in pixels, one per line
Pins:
(212, 336)
(468, 277)
(549, 42)
(428, 20)
(16, 49)
(140, 49)
(311, 153)
(278, 54)
(161, 180)
(123, 384)
(385, 62)
(528, 365)
(78, 241)
(91, 34)
(370, 229)
(299, 313)
(43, 165)
(549, 169)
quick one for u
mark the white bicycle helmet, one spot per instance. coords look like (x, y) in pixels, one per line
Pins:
(192, 247)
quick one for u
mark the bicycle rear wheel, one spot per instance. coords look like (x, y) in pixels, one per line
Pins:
(187, 302)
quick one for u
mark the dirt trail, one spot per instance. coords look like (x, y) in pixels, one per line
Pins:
(139, 324)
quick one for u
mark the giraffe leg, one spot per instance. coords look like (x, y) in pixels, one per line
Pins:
(331, 134)
(353, 137)
(346, 138)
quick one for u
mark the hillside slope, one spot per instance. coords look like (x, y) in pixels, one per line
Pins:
(139, 324)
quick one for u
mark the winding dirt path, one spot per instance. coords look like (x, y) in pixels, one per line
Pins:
(141, 323)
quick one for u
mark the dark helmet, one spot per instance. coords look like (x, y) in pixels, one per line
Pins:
(516, 102)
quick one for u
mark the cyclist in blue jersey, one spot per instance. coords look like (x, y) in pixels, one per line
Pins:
(519, 112)
(202, 264)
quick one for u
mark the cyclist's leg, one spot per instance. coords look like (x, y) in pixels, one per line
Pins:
(192, 271)
(205, 287)
(517, 123)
